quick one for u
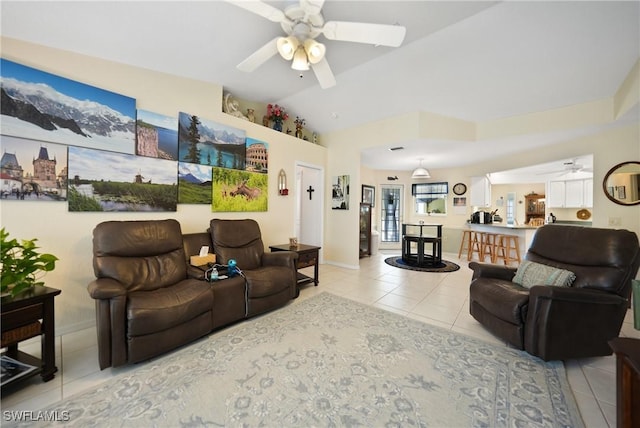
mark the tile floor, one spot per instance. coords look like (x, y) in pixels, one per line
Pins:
(439, 299)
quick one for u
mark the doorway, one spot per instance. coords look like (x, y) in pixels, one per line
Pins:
(309, 217)
(391, 214)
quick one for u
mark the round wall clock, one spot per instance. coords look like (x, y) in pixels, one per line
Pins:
(459, 189)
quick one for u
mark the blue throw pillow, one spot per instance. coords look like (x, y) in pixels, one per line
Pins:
(532, 273)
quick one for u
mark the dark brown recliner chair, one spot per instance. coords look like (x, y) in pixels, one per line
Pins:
(145, 304)
(271, 278)
(557, 323)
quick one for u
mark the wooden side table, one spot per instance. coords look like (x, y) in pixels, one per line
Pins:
(21, 312)
(627, 352)
(308, 255)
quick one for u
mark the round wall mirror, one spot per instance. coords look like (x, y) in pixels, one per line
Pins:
(622, 183)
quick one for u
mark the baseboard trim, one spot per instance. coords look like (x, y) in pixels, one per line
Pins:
(343, 265)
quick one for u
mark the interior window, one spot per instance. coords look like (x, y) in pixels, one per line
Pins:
(430, 198)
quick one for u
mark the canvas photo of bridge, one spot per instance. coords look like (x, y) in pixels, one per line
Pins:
(236, 191)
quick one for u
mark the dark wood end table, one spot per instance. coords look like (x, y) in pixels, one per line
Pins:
(627, 352)
(308, 255)
(25, 309)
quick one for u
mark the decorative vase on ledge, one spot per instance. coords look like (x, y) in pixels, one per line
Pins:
(277, 125)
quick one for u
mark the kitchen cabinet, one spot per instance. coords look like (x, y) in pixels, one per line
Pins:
(534, 207)
(571, 194)
(555, 195)
(480, 193)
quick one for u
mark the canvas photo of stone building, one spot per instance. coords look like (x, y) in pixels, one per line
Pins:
(32, 170)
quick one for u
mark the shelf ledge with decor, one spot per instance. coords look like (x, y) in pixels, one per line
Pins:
(274, 116)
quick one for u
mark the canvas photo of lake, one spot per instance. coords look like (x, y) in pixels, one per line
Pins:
(156, 135)
(42, 106)
(108, 181)
(194, 183)
(206, 142)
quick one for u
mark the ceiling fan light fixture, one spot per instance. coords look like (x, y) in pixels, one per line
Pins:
(315, 51)
(287, 47)
(300, 61)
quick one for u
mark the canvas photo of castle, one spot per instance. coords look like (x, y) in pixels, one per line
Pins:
(32, 170)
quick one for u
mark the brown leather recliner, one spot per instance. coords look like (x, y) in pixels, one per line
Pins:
(145, 303)
(556, 323)
(271, 278)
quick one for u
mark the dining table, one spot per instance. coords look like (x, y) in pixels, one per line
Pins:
(415, 239)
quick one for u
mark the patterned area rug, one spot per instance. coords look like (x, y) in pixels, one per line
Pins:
(330, 361)
(444, 266)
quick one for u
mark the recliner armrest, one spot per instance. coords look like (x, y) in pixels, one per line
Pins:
(195, 272)
(575, 295)
(567, 322)
(280, 258)
(486, 270)
(105, 288)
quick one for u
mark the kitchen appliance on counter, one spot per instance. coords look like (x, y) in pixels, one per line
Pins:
(480, 217)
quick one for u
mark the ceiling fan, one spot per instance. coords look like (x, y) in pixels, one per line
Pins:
(302, 24)
(571, 166)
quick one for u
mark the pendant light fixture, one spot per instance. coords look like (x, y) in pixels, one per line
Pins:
(420, 172)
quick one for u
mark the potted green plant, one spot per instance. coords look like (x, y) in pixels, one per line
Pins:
(22, 265)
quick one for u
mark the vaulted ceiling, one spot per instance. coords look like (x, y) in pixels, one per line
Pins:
(475, 60)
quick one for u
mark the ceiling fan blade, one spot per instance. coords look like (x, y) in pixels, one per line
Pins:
(259, 57)
(260, 8)
(360, 32)
(312, 7)
(324, 74)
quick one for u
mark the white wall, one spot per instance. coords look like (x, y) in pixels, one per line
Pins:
(69, 235)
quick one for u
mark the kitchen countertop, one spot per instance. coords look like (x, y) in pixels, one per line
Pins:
(504, 225)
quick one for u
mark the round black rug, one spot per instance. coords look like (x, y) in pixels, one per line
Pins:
(444, 266)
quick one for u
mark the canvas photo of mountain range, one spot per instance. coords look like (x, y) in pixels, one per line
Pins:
(194, 183)
(206, 142)
(42, 106)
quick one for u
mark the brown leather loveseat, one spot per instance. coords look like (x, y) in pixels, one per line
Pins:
(149, 300)
(560, 322)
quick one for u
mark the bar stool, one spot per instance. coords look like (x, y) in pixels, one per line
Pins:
(488, 246)
(470, 243)
(505, 246)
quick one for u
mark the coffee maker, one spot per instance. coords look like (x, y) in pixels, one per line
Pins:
(480, 217)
